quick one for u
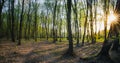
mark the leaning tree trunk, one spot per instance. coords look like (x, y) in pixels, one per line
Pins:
(116, 27)
(114, 31)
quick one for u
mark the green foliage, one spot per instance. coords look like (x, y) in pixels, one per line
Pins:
(45, 16)
(100, 40)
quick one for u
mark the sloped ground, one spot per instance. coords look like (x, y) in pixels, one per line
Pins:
(44, 52)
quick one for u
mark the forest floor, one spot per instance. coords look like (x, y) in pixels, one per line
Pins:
(44, 52)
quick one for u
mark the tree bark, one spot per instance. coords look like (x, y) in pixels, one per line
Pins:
(70, 49)
(54, 19)
(35, 21)
(29, 21)
(21, 22)
(13, 22)
(106, 45)
(116, 27)
(1, 7)
(85, 25)
(76, 23)
(112, 32)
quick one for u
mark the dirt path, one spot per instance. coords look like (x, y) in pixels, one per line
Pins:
(41, 52)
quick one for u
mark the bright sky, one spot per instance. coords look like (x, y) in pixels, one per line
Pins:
(41, 1)
(100, 23)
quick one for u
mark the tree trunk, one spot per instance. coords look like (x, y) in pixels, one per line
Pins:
(91, 22)
(13, 22)
(18, 19)
(95, 18)
(112, 32)
(9, 20)
(54, 19)
(106, 45)
(28, 19)
(36, 21)
(76, 23)
(21, 22)
(85, 25)
(1, 7)
(60, 28)
(46, 30)
(70, 49)
(80, 21)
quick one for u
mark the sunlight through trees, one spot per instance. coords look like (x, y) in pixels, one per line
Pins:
(72, 23)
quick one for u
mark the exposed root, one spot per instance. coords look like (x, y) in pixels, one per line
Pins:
(98, 59)
(69, 54)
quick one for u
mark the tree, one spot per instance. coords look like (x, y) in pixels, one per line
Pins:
(21, 22)
(76, 22)
(54, 19)
(91, 21)
(18, 19)
(106, 47)
(70, 49)
(1, 7)
(95, 18)
(115, 28)
(114, 31)
(13, 21)
(85, 24)
(28, 19)
(80, 22)
(46, 21)
(9, 20)
(36, 29)
(60, 24)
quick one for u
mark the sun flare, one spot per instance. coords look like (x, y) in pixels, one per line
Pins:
(111, 18)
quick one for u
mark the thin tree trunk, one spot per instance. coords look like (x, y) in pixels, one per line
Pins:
(91, 22)
(13, 22)
(60, 36)
(85, 25)
(21, 22)
(18, 19)
(46, 30)
(28, 19)
(36, 21)
(76, 23)
(95, 18)
(54, 19)
(9, 19)
(80, 33)
(1, 7)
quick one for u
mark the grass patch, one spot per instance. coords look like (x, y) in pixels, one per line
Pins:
(100, 40)
(2, 57)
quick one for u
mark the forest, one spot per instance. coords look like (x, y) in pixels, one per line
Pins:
(59, 31)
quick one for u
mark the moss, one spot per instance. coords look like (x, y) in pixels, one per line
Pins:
(2, 57)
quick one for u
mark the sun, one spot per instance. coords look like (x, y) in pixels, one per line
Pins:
(111, 18)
